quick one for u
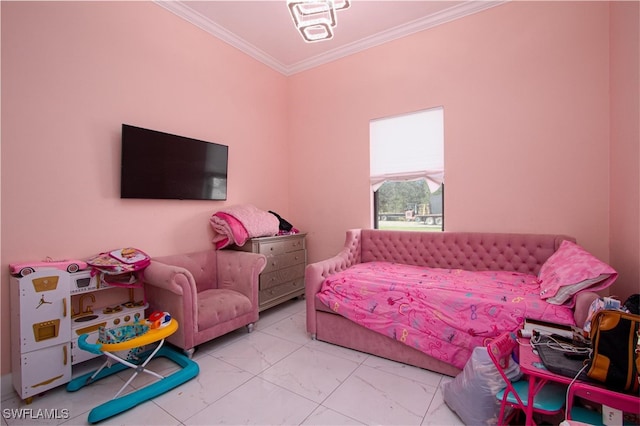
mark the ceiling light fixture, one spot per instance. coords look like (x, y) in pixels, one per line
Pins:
(315, 19)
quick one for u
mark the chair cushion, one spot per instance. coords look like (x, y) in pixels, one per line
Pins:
(550, 398)
(216, 306)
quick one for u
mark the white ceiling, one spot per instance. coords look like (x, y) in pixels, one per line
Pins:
(264, 29)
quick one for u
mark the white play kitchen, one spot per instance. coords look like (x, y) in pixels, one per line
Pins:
(50, 309)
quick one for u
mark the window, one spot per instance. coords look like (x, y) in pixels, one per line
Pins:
(407, 171)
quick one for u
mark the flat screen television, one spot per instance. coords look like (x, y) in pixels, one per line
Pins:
(157, 165)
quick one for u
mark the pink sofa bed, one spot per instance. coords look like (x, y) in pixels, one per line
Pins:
(524, 253)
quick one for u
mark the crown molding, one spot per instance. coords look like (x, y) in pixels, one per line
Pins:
(447, 15)
(455, 12)
(202, 22)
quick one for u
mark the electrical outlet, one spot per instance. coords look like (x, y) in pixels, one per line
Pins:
(611, 416)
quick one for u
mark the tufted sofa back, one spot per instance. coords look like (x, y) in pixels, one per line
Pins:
(473, 251)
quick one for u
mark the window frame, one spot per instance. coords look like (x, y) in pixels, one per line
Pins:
(432, 175)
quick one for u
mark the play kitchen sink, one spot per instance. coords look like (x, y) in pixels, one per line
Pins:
(85, 318)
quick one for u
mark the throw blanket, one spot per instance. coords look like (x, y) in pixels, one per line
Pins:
(236, 224)
(444, 313)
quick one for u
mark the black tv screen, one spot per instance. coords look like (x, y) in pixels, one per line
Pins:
(160, 165)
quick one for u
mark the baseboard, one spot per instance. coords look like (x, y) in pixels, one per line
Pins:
(6, 387)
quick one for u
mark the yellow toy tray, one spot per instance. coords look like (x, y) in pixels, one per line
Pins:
(153, 335)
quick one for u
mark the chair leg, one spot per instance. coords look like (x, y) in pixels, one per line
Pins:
(501, 419)
(250, 327)
(508, 415)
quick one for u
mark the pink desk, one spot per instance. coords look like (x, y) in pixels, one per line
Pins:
(531, 365)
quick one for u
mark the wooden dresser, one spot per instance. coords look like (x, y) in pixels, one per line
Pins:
(283, 277)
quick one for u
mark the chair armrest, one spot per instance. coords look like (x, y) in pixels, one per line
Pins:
(173, 289)
(169, 277)
(240, 271)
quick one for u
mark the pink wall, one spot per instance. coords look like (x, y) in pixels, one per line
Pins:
(525, 87)
(625, 146)
(72, 73)
(525, 90)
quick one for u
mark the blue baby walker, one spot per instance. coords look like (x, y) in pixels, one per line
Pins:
(125, 338)
(130, 338)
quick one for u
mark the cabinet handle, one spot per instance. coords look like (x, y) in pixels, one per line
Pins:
(64, 354)
(64, 307)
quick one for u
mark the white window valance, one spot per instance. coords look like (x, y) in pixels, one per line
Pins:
(434, 178)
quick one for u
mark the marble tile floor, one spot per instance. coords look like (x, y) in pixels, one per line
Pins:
(276, 375)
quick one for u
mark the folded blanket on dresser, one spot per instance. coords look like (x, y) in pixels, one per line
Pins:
(236, 224)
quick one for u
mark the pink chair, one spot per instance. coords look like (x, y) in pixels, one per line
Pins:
(548, 400)
(599, 395)
(210, 293)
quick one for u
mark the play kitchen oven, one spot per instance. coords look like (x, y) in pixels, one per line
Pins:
(85, 282)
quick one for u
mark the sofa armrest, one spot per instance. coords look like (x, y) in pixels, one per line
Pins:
(583, 303)
(315, 273)
(172, 288)
(240, 271)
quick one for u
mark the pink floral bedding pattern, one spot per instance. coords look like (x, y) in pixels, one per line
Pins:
(444, 313)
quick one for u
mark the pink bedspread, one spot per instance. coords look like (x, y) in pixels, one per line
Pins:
(444, 313)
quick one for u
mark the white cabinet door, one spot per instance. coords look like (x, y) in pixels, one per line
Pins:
(44, 369)
(80, 355)
(45, 310)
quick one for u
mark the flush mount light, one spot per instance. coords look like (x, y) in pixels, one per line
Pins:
(315, 19)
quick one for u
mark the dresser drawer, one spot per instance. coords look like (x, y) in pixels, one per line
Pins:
(284, 260)
(272, 279)
(273, 248)
(292, 288)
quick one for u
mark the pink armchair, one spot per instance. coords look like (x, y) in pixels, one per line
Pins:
(209, 292)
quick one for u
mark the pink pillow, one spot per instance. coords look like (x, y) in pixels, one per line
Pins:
(571, 270)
